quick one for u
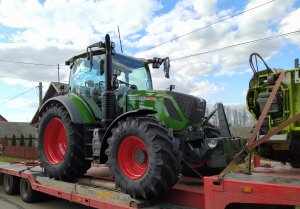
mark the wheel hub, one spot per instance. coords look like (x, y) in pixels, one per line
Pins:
(55, 141)
(133, 157)
(140, 156)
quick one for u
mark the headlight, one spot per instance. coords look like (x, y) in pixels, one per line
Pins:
(212, 143)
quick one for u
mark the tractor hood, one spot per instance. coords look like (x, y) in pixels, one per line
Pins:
(192, 107)
(175, 109)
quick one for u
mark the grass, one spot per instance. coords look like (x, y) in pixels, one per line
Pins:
(11, 159)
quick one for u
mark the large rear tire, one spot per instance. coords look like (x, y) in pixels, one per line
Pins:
(61, 145)
(144, 157)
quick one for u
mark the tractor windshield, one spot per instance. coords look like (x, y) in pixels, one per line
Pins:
(88, 81)
(132, 71)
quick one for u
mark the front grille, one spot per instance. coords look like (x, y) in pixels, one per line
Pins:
(192, 107)
(171, 110)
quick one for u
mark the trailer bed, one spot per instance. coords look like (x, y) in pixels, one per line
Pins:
(279, 185)
(97, 190)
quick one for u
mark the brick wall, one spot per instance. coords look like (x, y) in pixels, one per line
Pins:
(3, 142)
(21, 152)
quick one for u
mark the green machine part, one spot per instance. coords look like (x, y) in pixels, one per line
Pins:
(87, 116)
(112, 114)
(285, 145)
(286, 103)
(80, 112)
(156, 100)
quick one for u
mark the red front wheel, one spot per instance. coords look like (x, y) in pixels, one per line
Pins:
(143, 157)
(133, 157)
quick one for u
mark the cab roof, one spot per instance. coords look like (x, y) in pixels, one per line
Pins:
(82, 54)
(96, 51)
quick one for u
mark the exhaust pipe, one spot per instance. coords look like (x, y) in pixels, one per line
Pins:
(108, 96)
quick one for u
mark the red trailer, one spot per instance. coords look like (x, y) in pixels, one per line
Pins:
(276, 187)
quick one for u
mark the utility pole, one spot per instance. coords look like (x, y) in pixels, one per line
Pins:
(58, 73)
(120, 40)
(40, 94)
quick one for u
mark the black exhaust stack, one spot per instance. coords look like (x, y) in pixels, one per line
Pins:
(108, 96)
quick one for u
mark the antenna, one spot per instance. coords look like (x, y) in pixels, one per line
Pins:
(58, 73)
(120, 40)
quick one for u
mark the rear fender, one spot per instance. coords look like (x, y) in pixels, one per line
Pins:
(104, 144)
(79, 112)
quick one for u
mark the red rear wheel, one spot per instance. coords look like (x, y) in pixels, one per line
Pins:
(133, 157)
(55, 141)
(61, 144)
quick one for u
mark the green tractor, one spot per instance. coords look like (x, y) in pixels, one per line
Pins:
(285, 145)
(146, 137)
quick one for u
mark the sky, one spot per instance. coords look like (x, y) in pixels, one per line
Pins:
(49, 32)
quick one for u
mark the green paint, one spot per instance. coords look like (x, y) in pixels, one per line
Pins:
(155, 100)
(142, 99)
(85, 112)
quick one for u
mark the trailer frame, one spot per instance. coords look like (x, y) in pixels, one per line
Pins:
(278, 185)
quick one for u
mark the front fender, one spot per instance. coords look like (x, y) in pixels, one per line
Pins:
(79, 111)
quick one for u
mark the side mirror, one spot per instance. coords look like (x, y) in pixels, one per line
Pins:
(89, 52)
(156, 63)
(167, 67)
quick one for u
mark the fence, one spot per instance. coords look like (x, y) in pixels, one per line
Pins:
(21, 152)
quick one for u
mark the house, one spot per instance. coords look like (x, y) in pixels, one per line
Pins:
(2, 119)
(8, 129)
(55, 88)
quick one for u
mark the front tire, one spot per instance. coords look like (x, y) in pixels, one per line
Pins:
(144, 158)
(61, 145)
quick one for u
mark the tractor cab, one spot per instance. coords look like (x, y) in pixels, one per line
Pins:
(87, 77)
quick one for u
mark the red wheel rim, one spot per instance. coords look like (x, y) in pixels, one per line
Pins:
(132, 166)
(55, 141)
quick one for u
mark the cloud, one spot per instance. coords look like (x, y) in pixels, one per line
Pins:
(27, 74)
(186, 16)
(77, 22)
(17, 81)
(205, 8)
(259, 23)
(288, 24)
(52, 31)
(19, 109)
(203, 88)
(25, 117)
(21, 103)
